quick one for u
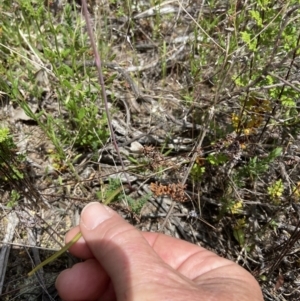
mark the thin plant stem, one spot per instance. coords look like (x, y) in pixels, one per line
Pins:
(101, 81)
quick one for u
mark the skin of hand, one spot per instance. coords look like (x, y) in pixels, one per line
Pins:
(123, 264)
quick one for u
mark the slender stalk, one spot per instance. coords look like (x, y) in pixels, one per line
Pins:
(101, 81)
(56, 254)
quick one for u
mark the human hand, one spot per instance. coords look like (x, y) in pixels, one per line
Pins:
(122, 263)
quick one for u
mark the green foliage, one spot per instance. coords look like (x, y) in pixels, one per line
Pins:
(255, 15)
(136, 205)
(197, 172)
(265, 26)
(217, 159)
(115, 184)
(198, 169)
(9, 159)
(14, 197)
(90, 128)
(33, 9)
(5, 138)
(257, 166)
(246, 37)
(63, 46)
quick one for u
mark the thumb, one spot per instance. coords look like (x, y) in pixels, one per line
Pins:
(122, 251)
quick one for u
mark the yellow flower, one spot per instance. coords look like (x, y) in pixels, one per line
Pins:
(237, 207)
(235, 120)
(247, 131)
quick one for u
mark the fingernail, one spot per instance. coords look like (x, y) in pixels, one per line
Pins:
(94, 214)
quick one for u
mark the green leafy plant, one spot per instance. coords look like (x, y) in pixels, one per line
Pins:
(257, 166)
(217, 158)
(14, 197)
(136, 205)
(115, 184)
(63, 47)
(197, 172)
(5, 138)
